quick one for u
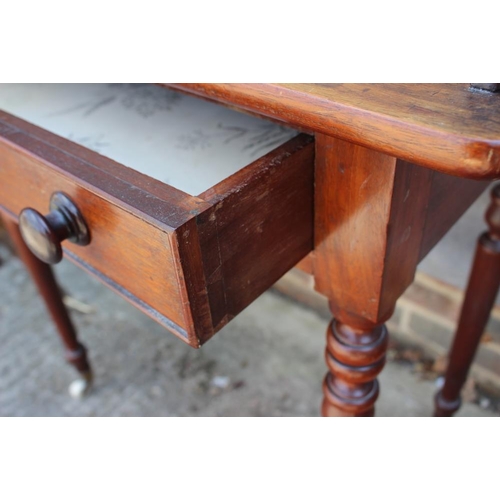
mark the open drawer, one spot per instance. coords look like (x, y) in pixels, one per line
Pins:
(190, 261)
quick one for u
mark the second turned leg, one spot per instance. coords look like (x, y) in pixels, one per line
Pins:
(42, 274)
(479, 300)
(355, 355)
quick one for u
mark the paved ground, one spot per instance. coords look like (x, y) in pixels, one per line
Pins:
(267, 362)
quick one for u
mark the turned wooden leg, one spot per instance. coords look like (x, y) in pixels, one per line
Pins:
(369, 219)
(479, 300)
(355, 355)
(44, 278)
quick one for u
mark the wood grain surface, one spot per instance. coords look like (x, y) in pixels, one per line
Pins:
(369, 215)
(448, 127)
(264, 226)
(449, 199)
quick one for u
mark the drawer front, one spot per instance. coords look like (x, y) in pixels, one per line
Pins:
(192, 263)
(128, 248)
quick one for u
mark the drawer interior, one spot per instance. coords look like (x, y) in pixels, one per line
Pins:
(177, 139)
(189, 235)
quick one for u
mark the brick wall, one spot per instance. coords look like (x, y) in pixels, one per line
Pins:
(425, 315)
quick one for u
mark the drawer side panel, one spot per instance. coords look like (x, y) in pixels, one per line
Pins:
(264, 226)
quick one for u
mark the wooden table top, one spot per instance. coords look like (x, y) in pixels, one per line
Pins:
(447, 127)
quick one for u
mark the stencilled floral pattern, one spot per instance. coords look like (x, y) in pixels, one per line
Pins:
(147, 99)
(198, 139)
(143, 99)
(256, 139)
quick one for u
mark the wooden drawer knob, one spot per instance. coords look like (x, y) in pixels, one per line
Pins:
(44, 234)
